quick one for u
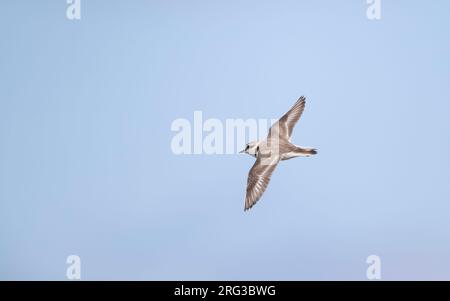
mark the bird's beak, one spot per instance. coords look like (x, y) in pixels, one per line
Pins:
(242, 151)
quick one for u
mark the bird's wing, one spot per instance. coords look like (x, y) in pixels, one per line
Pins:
(283, 128)
(258, 179)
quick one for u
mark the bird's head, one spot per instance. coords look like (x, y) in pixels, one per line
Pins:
(252, 148)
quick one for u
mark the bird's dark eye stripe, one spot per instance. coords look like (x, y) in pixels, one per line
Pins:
(247, 147)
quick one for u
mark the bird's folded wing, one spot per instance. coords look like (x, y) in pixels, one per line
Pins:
(283, 128)
(258, 179)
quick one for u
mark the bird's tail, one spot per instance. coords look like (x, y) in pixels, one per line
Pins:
(306, 151)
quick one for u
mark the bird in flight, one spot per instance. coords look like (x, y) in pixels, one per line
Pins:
(268, 153)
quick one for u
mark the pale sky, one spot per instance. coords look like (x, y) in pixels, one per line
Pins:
(86, 166)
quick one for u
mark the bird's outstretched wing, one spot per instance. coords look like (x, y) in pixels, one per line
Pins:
(258, 179)
(282, 129)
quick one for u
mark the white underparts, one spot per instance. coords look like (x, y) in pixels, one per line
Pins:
(290, 155)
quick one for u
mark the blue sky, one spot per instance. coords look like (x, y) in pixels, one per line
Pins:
(86, 166)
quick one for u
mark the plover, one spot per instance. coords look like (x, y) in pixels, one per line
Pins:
(268, 153)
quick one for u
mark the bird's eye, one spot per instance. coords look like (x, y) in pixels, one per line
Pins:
(257, 149)
(247, 147)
